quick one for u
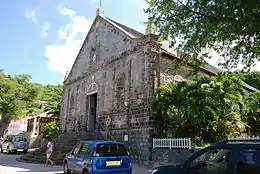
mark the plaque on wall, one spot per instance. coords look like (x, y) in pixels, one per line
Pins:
(125, 137)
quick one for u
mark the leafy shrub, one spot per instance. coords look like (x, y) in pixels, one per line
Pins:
(210, 108)
(51, 129)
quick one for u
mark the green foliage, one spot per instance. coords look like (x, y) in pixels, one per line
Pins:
(51, 93)
(231, 28)
(252, 111)
(251, 78)
(19, 97)
(16, 93)
(210, 108)
(51, 129)
(53, 108)
(32, 108)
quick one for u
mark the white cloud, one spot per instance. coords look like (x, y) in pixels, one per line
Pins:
(45, 29)
(66, 11)
(31, 15)
(62, 56)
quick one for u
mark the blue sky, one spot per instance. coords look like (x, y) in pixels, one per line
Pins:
(42, 37)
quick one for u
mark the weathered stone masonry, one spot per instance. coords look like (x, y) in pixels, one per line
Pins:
(122, 72)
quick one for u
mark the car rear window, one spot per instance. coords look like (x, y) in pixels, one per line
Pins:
(111, 150)
(20, 139)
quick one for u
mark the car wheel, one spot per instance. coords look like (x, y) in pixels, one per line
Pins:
(66, 168)
(2, 150)
(25, 151)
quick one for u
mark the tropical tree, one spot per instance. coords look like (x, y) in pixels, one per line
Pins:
(53, 109)
(51, 93)
(231, 28)
(16, 92)
(251, 78)
(210, 108)
(252, 111)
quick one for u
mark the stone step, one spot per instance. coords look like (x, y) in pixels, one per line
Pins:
(54, 153)
(56, 149)
(53, 156)
(68, 149)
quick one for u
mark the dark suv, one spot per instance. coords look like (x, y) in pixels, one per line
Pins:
(224, 157)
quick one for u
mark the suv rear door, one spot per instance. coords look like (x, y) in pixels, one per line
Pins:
(20, 143)
(213, 160)
(248, 160)
(110, 156)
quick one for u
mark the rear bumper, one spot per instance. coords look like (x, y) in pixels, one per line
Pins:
(116, 171)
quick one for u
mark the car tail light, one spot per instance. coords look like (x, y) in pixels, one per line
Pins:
(12, 143)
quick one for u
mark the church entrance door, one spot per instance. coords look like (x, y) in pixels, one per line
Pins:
(92, 110)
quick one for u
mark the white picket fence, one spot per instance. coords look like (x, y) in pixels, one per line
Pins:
(183, 143)
(245, 138)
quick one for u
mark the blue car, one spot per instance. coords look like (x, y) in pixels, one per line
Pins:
(98, 157)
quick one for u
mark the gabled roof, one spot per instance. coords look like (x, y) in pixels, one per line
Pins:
(128, 29)
(121, 27)
(206, 67)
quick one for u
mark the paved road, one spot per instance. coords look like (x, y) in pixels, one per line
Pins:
(8, 165)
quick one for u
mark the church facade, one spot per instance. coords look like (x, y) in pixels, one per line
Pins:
(110, 86)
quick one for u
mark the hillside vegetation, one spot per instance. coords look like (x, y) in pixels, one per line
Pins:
(19, 97)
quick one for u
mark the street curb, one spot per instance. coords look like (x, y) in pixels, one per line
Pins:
(19, 159)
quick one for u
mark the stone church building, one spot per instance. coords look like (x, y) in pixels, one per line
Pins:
(110, 86)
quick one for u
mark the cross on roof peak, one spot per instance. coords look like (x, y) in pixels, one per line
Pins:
(100, 10)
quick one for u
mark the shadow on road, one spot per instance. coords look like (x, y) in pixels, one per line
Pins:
(9, 165)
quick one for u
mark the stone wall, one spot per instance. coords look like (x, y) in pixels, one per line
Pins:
(124, 91)
(122, 75)
(164, 156)
(175, 156)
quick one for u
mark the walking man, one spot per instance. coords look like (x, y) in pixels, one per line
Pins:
(49, 152)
